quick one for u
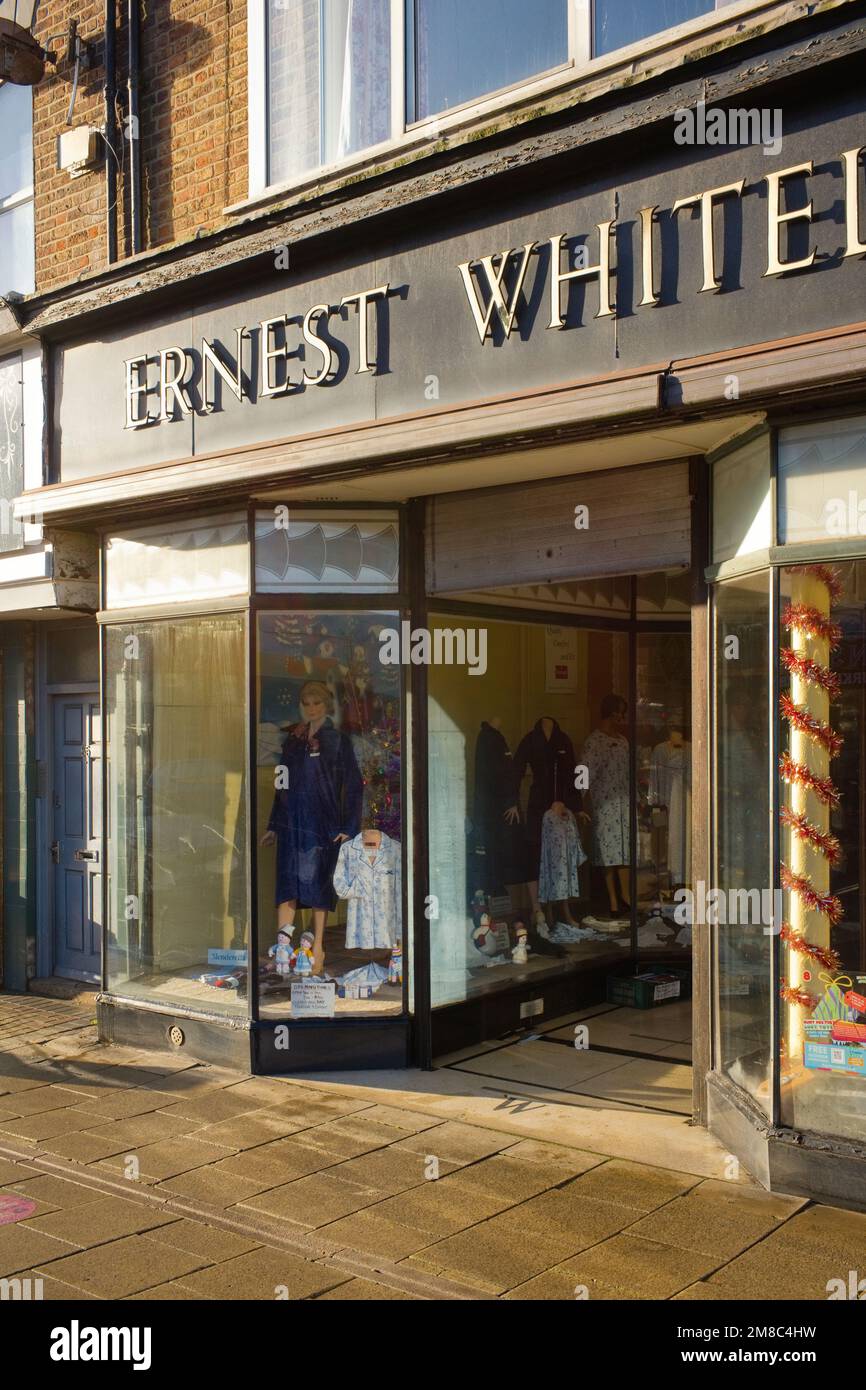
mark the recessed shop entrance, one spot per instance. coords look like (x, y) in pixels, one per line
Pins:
(560, 838)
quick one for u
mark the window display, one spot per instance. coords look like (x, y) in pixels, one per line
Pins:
(823, 947)
(177, 741)
(329, 788)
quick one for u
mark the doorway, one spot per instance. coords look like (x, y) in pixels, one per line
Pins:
(75, 822)
(595, 674)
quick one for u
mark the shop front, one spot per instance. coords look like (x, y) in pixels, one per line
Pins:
(476, 645)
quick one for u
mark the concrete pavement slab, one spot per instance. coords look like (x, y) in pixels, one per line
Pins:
(211, 1242)
(99, 1220)
(122, 1267)
(260, 1274)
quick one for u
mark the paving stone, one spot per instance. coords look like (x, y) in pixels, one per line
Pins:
(10, 1084)
(210, 1108)
(276, 1163)
(356, 1290)
(458, 1143)
(121, 1105)
(51, 1125)
(207, 1185)
(58, 1193)
(22, 1248)
(168, 1157)
(512, 1247)
(349, 1136)
(716, 1218)
(410, 1121)
(374, 1235)
(100, 1220)
(165, 1292)
(265, 1090)
(39, 1101)
(818, 1245)
(635, 1184)
(83, 1147)
(440, 1208)
(123, 1266)
(510, 1179)
(11, 1172)
(260, 1274)
(140, 1130)
(558, 1285)
(389, 1170)
(313, 1201)
(54, 1291)
(250, 1130)
(573, 1162)
(715, 1293)
(211, 1242)
(629, 1267)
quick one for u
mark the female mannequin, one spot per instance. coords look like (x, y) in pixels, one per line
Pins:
(549, 753)
(314, 814)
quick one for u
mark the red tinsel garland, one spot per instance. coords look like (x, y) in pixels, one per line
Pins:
(827, 574)
(823, 955)
(807, 619)
(821, 840)
(811, 671)
(798, 772)
(817, 902)
(791, 995)
(807, 723)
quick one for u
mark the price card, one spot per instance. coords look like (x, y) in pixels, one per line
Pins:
(313, 999)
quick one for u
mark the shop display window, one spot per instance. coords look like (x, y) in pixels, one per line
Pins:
(823, 785)
(741, 812)
(822, 467)
(529, 805)
(178, 907)
(742, 500)
(329, 788)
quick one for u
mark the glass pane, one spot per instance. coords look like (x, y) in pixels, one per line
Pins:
(822, 481)
(11, 451)
(664, 796)
(462, 52)
(742, 509)
(327, 552)
(161, 564)
(621, 22)
(330, 858)
(177, 811)
(329, 81)
(823, 1064)
(17, 250)
(512, 849)
(742, 814)
(16, 139)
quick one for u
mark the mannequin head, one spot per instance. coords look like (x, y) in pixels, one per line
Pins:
(316, 702)
(613, 714)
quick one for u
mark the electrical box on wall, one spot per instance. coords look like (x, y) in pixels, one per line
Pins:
(79, 150)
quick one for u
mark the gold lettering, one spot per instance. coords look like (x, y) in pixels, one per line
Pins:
(775, 219)
(853, 245)
(601, 269)
(708, 249)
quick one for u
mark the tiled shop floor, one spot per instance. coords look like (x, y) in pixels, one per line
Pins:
(153, 1177)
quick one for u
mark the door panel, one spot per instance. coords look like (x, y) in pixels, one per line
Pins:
(76, 835)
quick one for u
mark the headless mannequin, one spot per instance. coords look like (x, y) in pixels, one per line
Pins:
(371, 841)
(561, 910)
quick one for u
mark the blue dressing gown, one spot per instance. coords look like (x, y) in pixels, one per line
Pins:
(323, 800)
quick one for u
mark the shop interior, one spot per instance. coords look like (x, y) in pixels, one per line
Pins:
(559, 824)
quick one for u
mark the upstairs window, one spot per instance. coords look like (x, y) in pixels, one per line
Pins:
(332, 79)
(17, 267)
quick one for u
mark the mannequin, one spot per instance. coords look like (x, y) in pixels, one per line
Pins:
(314, 814)
(605, 754)
(549, 754)
(669, 786)
(368, 876)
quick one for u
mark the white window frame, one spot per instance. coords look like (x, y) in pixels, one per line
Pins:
(407, 134)
(18, 199)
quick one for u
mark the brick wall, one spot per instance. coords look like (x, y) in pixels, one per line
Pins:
(193, 130)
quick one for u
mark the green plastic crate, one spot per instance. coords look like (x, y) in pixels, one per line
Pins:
(646, 990)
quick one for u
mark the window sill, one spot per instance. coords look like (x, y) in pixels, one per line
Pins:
(567, 86)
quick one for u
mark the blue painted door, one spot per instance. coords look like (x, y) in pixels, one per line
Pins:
(77, 836)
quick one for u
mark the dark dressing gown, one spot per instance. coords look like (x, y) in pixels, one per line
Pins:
(497, 854)
(552, 763)
(323, 800)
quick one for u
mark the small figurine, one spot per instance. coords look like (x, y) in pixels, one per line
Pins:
(282, 952)
(483, 937)
(395, 965)
(301, 961)
(520, 950)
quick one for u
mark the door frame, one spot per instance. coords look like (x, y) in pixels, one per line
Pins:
(46, 956)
